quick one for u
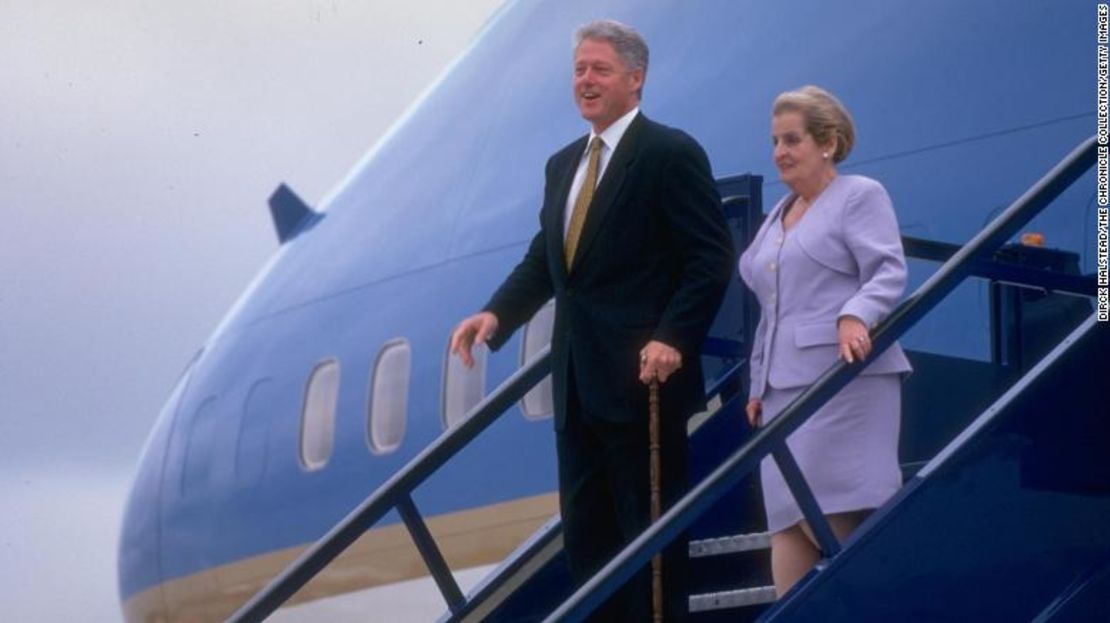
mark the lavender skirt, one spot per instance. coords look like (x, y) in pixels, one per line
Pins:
(848, 451)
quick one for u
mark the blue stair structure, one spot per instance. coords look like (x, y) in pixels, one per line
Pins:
(1003, 521)
(1005, 514)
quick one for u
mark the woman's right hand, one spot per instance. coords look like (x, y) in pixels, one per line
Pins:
(755, 412)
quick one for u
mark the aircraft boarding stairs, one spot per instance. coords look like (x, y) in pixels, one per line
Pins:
(1005, 514)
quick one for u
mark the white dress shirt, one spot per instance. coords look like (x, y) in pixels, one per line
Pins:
(610, 138)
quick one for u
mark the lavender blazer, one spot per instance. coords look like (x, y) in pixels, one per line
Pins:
(844, 257)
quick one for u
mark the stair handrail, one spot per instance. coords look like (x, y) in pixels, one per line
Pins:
(772, 437)
(498, 577)
(395, 493)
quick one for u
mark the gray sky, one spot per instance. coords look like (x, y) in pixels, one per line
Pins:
(138, 144)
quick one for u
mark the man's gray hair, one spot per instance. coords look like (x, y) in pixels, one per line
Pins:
(628, 43)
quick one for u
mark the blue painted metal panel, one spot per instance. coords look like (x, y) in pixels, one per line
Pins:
(999, 525)
(1087, 600)
(140, 536)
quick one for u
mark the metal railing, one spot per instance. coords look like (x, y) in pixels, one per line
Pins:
(524, 562)
(771, 439)
(396, 493)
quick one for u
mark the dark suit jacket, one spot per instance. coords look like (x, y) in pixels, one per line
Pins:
(653, 262)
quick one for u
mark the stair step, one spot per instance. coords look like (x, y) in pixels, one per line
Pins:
(732, 599)
(730, 544)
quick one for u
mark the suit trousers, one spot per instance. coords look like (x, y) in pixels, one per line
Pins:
(605, 501)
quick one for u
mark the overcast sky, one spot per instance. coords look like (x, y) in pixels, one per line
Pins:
(138, 144)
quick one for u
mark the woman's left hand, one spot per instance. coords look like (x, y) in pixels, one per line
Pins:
(855, 343)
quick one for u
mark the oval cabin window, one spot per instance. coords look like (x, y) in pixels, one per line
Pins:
(389, 389)
(318, 415)
(462, 387)
(538, 403)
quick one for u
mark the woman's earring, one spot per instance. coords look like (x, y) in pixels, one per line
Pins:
(825, 155)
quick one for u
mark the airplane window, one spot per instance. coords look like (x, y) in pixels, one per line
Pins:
(389, 389)
(538, 403)
(198, 448)
(318, 417)
(253, 446)
(462, 387)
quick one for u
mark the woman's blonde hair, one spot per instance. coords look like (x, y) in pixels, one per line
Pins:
(824, 116)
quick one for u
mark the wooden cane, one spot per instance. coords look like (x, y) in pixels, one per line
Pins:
(656, 503)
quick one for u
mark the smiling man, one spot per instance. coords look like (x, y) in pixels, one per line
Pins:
(634, 248)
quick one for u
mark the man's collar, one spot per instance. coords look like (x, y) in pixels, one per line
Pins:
(612, 134)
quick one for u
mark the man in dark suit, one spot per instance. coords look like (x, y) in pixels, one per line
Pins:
(634, 248)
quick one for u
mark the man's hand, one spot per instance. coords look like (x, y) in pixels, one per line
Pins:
(474, 330)
(657, 360)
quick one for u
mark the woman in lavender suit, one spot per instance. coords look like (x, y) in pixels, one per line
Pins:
(826, 266)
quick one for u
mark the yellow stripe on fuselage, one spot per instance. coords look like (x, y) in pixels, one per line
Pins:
(478, 536)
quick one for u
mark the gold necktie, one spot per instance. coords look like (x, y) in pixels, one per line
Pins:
(582, 203)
